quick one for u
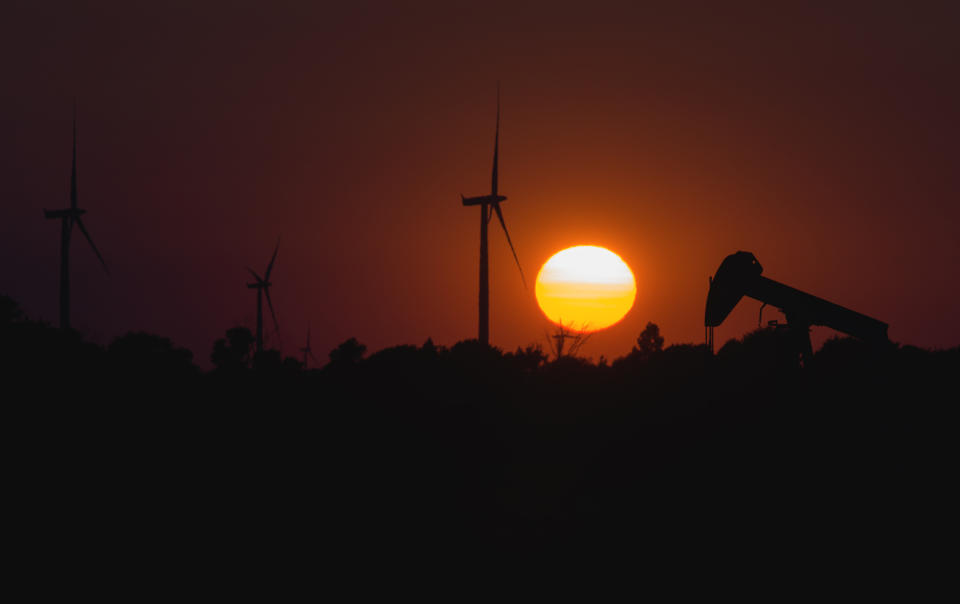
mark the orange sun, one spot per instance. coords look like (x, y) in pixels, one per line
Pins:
(585, 288)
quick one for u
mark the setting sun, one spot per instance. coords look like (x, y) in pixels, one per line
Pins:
(585, 288)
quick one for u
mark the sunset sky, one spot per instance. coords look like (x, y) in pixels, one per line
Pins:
(825, 140)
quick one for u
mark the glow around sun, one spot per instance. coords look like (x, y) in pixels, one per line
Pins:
(585, 288)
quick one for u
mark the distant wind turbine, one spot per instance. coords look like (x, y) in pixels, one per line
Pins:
(308, 352)
(262, 285)
(486, 202)
(68, 218)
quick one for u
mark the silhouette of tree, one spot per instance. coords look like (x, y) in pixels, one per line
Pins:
(235, 351)
(141, 353)
(766, 351)
(650, 341)
(9, 311)
(292, 365)
(402, 357)
(429, 349)
(844, 348)
(473, 354)
(528, 359)
(349, 352)
(681, 362)
(269, 360)
(569, 364)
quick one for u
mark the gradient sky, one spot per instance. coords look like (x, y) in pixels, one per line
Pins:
(822, 139)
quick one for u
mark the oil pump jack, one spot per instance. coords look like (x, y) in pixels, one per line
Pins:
(739, 276)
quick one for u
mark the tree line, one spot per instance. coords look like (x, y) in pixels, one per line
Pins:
(463, 444)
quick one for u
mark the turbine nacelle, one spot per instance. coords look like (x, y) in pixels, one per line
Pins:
(476, 201)
(729, 285)
(67, 213)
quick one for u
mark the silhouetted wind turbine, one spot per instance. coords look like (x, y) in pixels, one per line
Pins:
(262, 285)
(485, 202)
(68, 218)
(308, 352)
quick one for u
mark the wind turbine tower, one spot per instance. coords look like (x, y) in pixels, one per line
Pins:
(488, 203)
(68, 218)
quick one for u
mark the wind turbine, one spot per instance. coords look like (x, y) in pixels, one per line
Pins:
(262, 285)
(68, 218)
(486, 202)
(308, 352)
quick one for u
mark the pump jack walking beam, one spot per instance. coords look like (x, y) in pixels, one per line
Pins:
(739, 276)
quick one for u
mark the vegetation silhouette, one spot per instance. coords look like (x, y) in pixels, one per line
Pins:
(144, 355)
(350, 352)
(649, 342)
(234, 352)
(445, 448)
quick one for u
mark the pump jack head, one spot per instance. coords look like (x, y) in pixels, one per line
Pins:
(729, 285)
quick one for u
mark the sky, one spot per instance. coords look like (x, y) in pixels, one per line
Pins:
(822, 137)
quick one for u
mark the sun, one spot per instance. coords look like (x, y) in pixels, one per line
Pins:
(585, 288)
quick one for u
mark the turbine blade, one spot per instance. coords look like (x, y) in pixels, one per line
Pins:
(496, 147)
(83, 230)
(255, 275)
(73, 172)
(276, 325)
(266, 277)
(496, 208)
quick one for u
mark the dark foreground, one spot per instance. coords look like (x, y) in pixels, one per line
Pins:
(426, 453)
